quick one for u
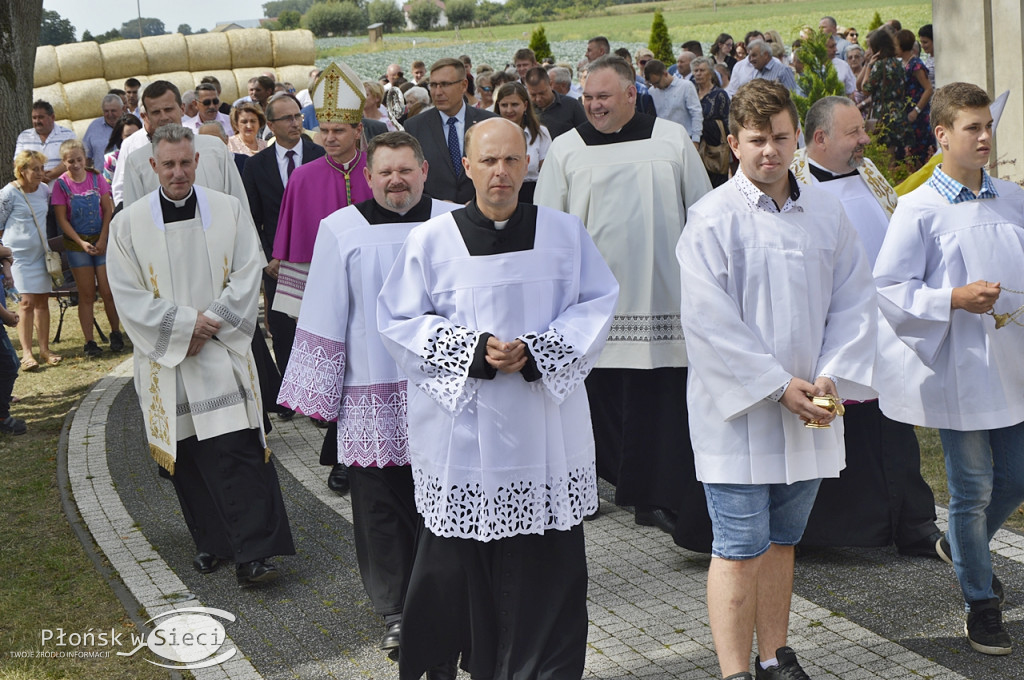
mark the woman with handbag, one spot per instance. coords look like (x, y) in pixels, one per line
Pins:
(714, 102)
(23, 206)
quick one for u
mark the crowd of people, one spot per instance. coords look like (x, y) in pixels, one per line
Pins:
(500, 286)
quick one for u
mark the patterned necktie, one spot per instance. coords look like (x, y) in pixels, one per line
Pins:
(290, 167)
(453, 147)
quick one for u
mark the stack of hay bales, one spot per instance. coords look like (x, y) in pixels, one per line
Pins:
(74, 77)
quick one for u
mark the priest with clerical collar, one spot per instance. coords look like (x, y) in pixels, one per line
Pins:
(495, 313)
(340, 372)
(883, 460)
(185, 273)
(318, 188)
(631, 178)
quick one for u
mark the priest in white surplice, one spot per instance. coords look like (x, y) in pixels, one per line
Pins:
(185, 272)
(780, 306)
(883, 460)
(630, 177)
(496, 312)
(340, 372)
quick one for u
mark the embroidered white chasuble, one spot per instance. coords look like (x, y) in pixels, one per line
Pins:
(503, 457)
(162, 276)
(339, 369)
(769, 297)
(942, 367)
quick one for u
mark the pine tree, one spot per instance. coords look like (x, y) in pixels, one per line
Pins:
(660, 44)
(819, 78)
(539, 44)
(876, 22)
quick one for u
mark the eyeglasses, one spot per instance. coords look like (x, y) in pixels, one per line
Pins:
(210, 102)
(486, 89)
(853, 35)
(440, 84)
(768, 40)
(643, 62)
(295, 118)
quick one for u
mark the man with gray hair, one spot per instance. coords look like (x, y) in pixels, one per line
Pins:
(767, 67)
(883, 461)
(631, 177)
(561, 81)
(97, 135)
(829, 25)
(185, 273)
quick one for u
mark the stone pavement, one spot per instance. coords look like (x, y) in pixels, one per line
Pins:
(856, 614)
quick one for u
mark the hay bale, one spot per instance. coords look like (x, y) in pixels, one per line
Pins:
(296, 75)
(79, 61)
(242, 76)
(55, 95)
(119, 83)
(250, 48)
(123, 59)
(85, 98)
(292, 47)
(228, 86)
(208, 51)
(166, 53)
(46, 70)
(78, 126)
(183, 80)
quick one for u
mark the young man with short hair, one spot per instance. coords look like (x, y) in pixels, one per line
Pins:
(951, 258)
(779, 307)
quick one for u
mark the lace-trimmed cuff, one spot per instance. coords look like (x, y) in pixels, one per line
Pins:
(448, 356)
(562, 369)
(312, 382)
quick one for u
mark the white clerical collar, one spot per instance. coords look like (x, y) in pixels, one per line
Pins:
(498, 226)
(177, 204)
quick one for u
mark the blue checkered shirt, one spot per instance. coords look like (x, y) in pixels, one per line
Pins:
(955, 192)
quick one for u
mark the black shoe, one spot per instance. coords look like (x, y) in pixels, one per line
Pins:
(116, 341)
(337, 481)
(444, 671)
(12, 425)
(945, 553)
(255, 572)
(390, 639)
(788, 668)
(985, 630)
(594, 515)
(162, 471)
(656, 517)
(322, 424)
(92, 350)
(743, 675)
(925, 547)
(206, 563)
(285, 414)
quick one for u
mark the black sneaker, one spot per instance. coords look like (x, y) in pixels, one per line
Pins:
(12, 425)
(946, 554)
(92, 350)
(985, 630)
(116, 341)
(788, 668)
(743, 675)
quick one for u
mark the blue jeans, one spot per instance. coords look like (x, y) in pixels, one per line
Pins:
(747, 518)
(985, 469)
(8, 372)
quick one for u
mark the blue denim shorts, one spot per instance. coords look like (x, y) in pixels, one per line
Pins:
(77, 259)
(747, 518)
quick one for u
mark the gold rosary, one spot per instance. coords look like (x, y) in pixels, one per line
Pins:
(1008, 317)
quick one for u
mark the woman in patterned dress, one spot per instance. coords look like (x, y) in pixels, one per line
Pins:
(884, 80)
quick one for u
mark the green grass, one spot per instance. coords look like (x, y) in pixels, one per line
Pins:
(686, 19)
(48, 581)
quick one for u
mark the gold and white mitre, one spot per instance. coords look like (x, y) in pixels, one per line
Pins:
(338, 95)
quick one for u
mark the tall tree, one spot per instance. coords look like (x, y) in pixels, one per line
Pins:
(660, 43)
(460, 12)
(150, 26)
(55, 29)
(388, 13)
(19, 30)
(424, 14)
(184, 29)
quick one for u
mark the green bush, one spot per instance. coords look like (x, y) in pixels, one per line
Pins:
(388, 13)
(876, 22)
(539, 44)
(424, 14)
(334, 18)
(660, 44)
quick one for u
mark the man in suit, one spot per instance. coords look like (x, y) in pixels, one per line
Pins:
(441, 131)
(265, 176)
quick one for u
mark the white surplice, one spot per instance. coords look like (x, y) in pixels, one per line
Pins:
(769, 297)
(498, 458)
(162, 277)
(942, 367)
(339, 369)
(633, 197)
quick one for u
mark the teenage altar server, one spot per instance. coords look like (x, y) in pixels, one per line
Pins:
(185, 273)
(951, 258)
(496, 312)
(779, 307)
(339, 370)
